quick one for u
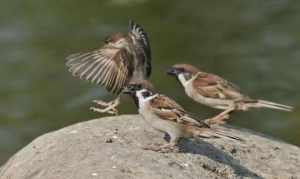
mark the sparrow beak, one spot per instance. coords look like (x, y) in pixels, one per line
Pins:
(172, 71)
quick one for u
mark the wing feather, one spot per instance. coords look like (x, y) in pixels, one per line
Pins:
(167, 109)
(142, 44)
(213, 86)
(110, 67)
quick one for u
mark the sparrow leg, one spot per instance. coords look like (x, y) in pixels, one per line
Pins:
(220, 118)
(164, 148)
(108, 107)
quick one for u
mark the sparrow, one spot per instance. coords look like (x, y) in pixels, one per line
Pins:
(213, 91)
(122, 58)
(167, 116)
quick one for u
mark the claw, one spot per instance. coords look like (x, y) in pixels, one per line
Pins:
(107, 107)
(102, 103)
(220, 118)
(105, 110)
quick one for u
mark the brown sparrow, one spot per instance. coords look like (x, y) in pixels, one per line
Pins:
(165, 115)
(123, 58)
(216, 92)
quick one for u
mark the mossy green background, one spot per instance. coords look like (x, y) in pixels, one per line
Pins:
(255, 44)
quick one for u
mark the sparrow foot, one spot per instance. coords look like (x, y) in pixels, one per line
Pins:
(166, 148)
(106, 107)
(105, 110)
(220, 118)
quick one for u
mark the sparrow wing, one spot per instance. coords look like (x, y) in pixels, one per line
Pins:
(142, 44)
(110, 67)
(167, 109)
(213, 86)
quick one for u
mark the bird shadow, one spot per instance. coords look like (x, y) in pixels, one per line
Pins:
(204, 148)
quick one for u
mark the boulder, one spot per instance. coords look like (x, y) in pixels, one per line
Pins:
(112, 148)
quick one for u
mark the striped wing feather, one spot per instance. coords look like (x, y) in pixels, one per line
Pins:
(142, 44)
(109, 67)
(213, 86)
(167, 109)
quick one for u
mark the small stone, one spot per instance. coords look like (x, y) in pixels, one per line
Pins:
(185, 164)
(94, 174)
(276, 148)
(73, 132)
(210, 168)
(109, 140)
(233, 151)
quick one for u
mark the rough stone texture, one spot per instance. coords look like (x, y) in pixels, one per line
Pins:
(112, 148)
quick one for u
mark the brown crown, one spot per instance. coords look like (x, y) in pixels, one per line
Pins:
(114, 37)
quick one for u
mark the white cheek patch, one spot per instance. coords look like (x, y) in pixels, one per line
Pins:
(182, 79)
(142, 99)
(139, 95)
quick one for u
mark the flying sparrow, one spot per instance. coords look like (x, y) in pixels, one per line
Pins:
(165, 115)
(216, 92)
(123, 58)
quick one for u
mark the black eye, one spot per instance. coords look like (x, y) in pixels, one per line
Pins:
(146, 94)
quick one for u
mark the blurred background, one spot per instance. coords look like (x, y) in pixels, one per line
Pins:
(255, 44)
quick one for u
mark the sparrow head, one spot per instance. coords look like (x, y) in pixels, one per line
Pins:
(183, 69)
(138, 85)
(140, 91)
(117, 40)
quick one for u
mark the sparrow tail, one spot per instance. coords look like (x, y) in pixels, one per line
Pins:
(269, 104)
(217, 132)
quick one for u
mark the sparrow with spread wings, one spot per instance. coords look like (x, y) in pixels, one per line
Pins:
(216, 92)
(123, 58)
(165, 115)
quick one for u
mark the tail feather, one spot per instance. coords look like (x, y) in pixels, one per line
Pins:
(139, 33)
(228, 135)
(272, 105)
(218, 132)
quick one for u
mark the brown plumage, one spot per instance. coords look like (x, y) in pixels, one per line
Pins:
(216, 92)
(108, 67)
(167, 116)
(213, 86)
(123, 58)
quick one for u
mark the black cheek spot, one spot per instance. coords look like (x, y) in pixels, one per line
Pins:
(146, 94)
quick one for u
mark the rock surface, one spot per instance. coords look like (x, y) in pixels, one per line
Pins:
(111, 147)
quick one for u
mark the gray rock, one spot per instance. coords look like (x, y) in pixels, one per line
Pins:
(111, 147)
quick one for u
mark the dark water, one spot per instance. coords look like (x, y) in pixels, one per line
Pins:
(255, 44)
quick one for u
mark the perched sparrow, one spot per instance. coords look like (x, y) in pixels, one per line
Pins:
(216, 92)
(165, 115)
(123, 58)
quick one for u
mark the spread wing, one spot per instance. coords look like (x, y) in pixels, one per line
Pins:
(168, 109)
(110, 67)
(213, 86)
(142, 44)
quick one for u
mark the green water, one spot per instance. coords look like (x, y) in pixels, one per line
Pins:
(255, 44)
